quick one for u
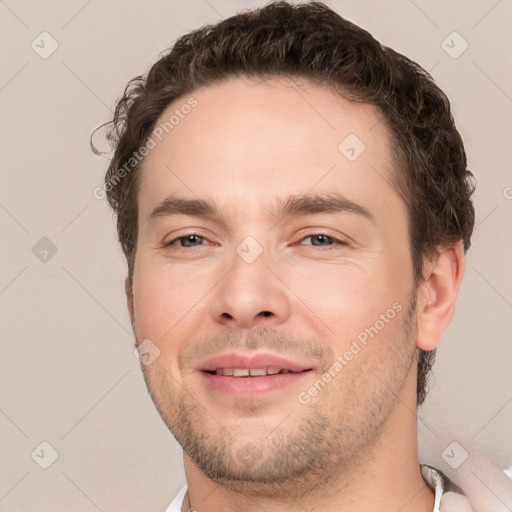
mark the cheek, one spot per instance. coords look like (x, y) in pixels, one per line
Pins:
(342, 299)
(165, 302)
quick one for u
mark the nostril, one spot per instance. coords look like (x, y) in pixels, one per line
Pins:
(266, 313)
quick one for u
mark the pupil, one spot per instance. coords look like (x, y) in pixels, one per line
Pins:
(191, 239)
(321, 239)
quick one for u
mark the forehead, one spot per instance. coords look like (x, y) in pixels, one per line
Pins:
(245, 139)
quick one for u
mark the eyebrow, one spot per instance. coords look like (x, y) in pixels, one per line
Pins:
(293, 205)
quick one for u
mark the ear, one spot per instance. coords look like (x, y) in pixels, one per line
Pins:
(128, 288)
(437, 295)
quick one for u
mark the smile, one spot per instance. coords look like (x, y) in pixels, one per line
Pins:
(249, 372)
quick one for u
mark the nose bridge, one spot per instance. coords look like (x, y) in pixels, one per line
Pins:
(250, 250)
(249, 276)
(249, 293)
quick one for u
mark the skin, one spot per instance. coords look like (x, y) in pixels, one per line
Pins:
(353, 447)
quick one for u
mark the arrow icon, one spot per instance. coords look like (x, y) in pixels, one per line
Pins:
(44, 455)
(351, 147)
(454, 455)
(44, 250)
(454, 45)
(44, 45)
(146, 352)
(249, 253)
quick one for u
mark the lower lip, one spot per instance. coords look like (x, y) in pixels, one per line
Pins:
(250, 388)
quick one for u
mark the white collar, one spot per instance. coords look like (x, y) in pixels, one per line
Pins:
(432, 476)
(436, 482)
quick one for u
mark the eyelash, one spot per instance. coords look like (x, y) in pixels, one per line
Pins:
(335, 241)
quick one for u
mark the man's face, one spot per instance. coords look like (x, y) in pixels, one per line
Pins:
(271, 281)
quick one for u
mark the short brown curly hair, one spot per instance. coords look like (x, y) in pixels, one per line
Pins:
(311, 41)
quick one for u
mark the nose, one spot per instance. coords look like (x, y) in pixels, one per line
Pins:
(250, 295)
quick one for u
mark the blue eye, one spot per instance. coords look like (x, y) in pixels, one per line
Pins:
(188, 241)
(321, 240)
(316, 240)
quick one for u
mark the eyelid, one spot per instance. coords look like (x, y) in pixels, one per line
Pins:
(335, 239)
(341, 239)
(196, 232)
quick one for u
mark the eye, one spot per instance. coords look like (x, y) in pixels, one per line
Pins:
(192, 240)
(322, 240)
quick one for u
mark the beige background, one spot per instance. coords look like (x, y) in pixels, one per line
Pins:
(68, 373)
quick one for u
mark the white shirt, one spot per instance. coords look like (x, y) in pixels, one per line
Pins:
(445, 501)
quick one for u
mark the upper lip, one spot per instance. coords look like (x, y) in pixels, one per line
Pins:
(250, 362)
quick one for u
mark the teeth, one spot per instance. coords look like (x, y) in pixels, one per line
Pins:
(260, 371)
(245, 372)
(240, 372)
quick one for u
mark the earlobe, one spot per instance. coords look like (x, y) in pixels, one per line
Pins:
(437, 295)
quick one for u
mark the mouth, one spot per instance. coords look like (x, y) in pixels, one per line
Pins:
(251, 377)
(250, 372)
